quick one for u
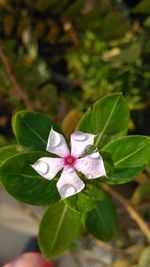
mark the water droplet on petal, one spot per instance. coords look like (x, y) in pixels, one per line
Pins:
(90, 176)
(67, 190)
(94, 163)
(79, 136)
(87, 148)
(75, 179)
(89, 169)
(70, 170)
(41, 167)
(85, 162)
(55, 139)
(94, 155)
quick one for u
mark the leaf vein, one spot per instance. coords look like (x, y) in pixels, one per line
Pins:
(128, 156)
(107, 122)
(58, 227)
(32, 130)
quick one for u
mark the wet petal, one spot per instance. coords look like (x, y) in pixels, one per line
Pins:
(69, 183)
(57, 144)
(48, 167)
(92, 166)
(80, 142)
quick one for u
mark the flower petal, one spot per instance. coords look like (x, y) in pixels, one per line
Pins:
(48, 167)
(92, 166)
(69, 183)
(80, 142)
(57, 144)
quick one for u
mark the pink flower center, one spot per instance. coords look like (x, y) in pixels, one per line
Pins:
(69, 160)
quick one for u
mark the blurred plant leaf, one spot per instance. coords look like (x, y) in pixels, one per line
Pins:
(147, 22)
(70, 121)
(129, 55)
(142, 192)
(145, 258)
(75, 8)
(143, 7)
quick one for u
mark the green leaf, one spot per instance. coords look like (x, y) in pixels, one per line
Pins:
(59, 226)
(9, 151)
(24, 183)
(81, 202)
(142, 7)
(32, 129)
(130, 156)
(100, 221)
(108, 119)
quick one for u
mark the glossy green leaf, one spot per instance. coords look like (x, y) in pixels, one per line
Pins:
(108, 119)
(9, 151)
(100, 221)
(81, 202)
(130, 156)
(59, 226)
(32, 129)
(24, 183)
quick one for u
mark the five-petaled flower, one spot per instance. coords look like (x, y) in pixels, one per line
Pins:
(90, 165)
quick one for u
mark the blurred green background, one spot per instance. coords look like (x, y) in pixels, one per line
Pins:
(59, 57)
(66, 54)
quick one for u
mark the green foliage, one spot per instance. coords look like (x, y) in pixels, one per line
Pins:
(29, 133)
(9, 151)
(23, 183)
(124, 158)
(130, 156)
(143, 7)
(59, 226)
(100, 221)
(68, 55)
(108, 119)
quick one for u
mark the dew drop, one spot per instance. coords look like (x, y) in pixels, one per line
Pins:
(70, 170)
(87, 148)
(79, 136)
(41, 167)
(85, 162)
(89, 169)
(94, 155)
(67, 190)
(58, 166)
(55, 139)
(75, 179)
(89, 176)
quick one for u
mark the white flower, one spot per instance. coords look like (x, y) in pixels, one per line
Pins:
(91, 165)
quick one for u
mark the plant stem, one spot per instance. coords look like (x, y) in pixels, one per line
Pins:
(18, 89)
(131, 210)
